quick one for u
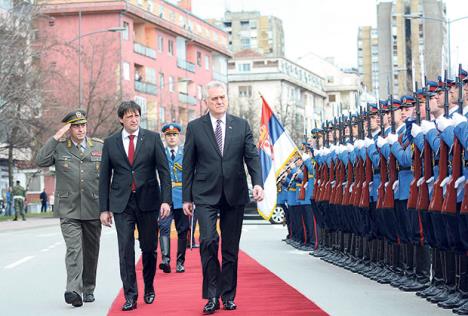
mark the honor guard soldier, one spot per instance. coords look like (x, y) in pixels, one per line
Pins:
(76, 158)
(174, 154)
(19, 195)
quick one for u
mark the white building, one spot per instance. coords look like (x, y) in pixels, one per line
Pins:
(295, 94)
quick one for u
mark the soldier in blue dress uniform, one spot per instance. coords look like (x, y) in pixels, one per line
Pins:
(174, 154)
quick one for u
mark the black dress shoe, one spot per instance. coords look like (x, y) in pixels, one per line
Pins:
(130, 304)
(229, 305)
(211, 306)
(88, 298)
(166, 267)
(180, 267)
(73, 298)
(149, 297)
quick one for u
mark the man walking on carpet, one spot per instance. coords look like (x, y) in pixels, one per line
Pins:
(216, 146)
(130, 192)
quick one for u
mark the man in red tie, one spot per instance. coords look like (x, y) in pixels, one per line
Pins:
(130, 193)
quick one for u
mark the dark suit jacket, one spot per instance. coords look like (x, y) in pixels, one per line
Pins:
(207, 174)
(115, 180)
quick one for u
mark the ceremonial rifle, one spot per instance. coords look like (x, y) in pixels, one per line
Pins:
(389, 201)
(438, 193)
(357, 187)
(450, 202)
(382, 165)
(423, 194)
(349, 167)
(417, 162)
(365, 197)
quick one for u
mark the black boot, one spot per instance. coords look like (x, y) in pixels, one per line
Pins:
(165, 243)
(181, 247)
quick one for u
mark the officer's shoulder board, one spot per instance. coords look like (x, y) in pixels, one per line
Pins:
(97, 140)
(62, 140)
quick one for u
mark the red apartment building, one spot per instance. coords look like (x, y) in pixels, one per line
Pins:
(160, 57)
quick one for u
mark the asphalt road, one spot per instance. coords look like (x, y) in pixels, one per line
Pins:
(32, 275)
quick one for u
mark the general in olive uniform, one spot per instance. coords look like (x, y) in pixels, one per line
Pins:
(19, 195)
(77, 160)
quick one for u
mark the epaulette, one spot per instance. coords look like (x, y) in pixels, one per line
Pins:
(97, 140)
(62, 140)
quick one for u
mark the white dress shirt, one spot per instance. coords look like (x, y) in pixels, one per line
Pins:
(223, 126)
(126, 139)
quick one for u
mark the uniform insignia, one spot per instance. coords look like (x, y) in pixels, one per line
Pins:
(78, 114)
(178, 166)
(97, 140)
(96, 154)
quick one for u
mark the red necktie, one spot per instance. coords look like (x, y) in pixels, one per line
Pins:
(131, 153)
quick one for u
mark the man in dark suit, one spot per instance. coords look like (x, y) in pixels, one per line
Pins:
(129, 191)
(216, 147)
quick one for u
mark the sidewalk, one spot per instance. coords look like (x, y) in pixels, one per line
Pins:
(33, 222)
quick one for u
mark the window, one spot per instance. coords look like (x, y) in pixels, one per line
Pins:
(161, 80)
(171, 83)
(199, 92)
(150, 5)
(162, 114)
(245, 91)
(245, 43)
(243, 67)
(160, 43)
(125, 33)
(126, 71)
(244, 25)
(199, 59)
(150, 75)
(170, 47)
(207, 63)
(253, 24)
(332, 98)
(144, 110)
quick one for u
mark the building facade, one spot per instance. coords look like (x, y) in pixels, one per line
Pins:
(250, 30)
(295, 94)
(411, 43)
(161, 57)
(368, 58)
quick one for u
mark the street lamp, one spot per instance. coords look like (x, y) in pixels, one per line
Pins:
(447, 22)
(79, 37)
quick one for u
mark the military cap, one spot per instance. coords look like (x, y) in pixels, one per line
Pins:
(75, 117)
(374, 108)
(171, 128)
(421, 95)
(396, 104)
(383, 104)
(407, 101)
(463, 75)
(316, 130)
(432, 88)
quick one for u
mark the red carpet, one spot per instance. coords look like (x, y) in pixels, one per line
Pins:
(259, 292)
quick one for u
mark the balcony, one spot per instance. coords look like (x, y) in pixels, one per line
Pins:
(219, 77)
(144, 50)
(186, 65)
(146, 87)
(187, 99)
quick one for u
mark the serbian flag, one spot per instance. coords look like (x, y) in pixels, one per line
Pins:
(276, 149)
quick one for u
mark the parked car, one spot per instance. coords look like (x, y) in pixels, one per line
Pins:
(251, 213)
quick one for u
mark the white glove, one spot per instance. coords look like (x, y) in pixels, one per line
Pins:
(445, 181)
(344, 148)
(392, 138)
(431, 179)
(349, 147)
(305, 156)
(359, 143)
(457, 118)
(381, 142)
(420, 181)
(368, 142)
(396, 185)
(332, 148)
(443, 123)
(460, 180)
(415, 129)
(427, 126)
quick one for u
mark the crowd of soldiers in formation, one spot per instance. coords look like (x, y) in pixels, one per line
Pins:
(383, 193)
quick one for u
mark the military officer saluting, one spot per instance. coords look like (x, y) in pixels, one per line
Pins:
(77, 160)
(174, 154)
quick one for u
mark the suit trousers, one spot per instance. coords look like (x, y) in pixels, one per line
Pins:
(147, 224)
(220, 280)
(82, 238)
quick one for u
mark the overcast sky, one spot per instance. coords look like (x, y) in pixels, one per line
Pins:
(330, 27)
